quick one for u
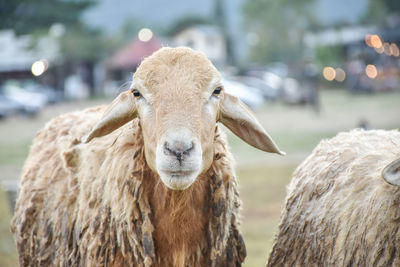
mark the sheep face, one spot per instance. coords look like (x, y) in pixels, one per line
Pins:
(178, 96)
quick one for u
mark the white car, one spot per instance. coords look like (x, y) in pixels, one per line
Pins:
(249, 95)
(31, 101)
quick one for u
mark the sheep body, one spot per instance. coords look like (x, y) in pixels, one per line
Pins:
(99, 204)
(339, 211)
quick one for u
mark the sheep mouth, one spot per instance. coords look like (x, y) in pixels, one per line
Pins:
(180, 173)
(178, 179)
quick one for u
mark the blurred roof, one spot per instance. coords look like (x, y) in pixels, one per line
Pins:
(130, 56)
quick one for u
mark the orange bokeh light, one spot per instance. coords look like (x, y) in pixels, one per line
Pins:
(371, 71)
(376, 41)
(329, 73)
(368, 40)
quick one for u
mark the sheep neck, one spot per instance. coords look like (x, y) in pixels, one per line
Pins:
(192, 227)
(179, 219)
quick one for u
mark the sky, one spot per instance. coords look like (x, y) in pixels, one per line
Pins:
(333, 11)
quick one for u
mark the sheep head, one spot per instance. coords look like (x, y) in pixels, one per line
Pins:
(178, 96)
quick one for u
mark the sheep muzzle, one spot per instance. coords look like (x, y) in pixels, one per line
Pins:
(178, 158)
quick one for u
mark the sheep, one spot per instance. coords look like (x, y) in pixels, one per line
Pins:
(340, 210)
(159, 191)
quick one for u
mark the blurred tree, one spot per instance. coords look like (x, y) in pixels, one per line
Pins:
(378, 10)
(81, 49)
(220, 20)
(80, 43)
(276, 28)
(27, 16)
(329, 55)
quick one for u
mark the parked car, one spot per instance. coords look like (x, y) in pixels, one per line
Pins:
(32, 102)
(269, 92)
(52, 96)
(249, 95)
(9, 107)
(293, 93)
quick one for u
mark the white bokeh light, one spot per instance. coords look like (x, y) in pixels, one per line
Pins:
(39, 67)
(145, 35)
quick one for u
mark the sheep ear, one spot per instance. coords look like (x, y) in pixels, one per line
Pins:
(391, 173)
(235, 115)
(120, 111)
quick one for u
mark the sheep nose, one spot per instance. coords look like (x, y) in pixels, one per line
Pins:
(179, 149)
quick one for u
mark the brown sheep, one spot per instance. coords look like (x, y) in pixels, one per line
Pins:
(340, 210)
(160, 191)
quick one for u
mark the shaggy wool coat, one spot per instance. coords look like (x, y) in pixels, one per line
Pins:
(339, 210)
(99, 204)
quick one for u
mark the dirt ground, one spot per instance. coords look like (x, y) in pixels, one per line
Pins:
(262, 176)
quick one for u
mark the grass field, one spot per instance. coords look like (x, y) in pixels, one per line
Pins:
(262, 177)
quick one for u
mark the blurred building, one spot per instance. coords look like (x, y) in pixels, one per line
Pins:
(26, 59)
(369, 55)
(206, 38)
(18, 53)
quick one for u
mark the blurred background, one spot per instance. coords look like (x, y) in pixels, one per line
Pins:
(308, 68)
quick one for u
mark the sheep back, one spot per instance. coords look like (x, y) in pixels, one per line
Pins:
(339, 211)
(91, 204)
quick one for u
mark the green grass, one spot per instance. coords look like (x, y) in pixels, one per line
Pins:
(262, 191)
(13, 153)
(292, 143)
(8, 253)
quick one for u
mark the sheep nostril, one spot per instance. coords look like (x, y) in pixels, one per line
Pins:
(178, 152)
(179, 156)
(167, 149)
(187, 151)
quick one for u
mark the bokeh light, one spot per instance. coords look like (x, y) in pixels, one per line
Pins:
(329, 73)
(145, 35)
(375, 41)
(340, 75)
(386, 49)
(39, 67)
(394, 49)
(379, 50)
(368, 40)
(371, 71)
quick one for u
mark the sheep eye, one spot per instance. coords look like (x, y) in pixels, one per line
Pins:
(217, 91)
(136, 93)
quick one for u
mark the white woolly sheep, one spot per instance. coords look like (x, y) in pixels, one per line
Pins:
(340, 210)
(160, 191)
